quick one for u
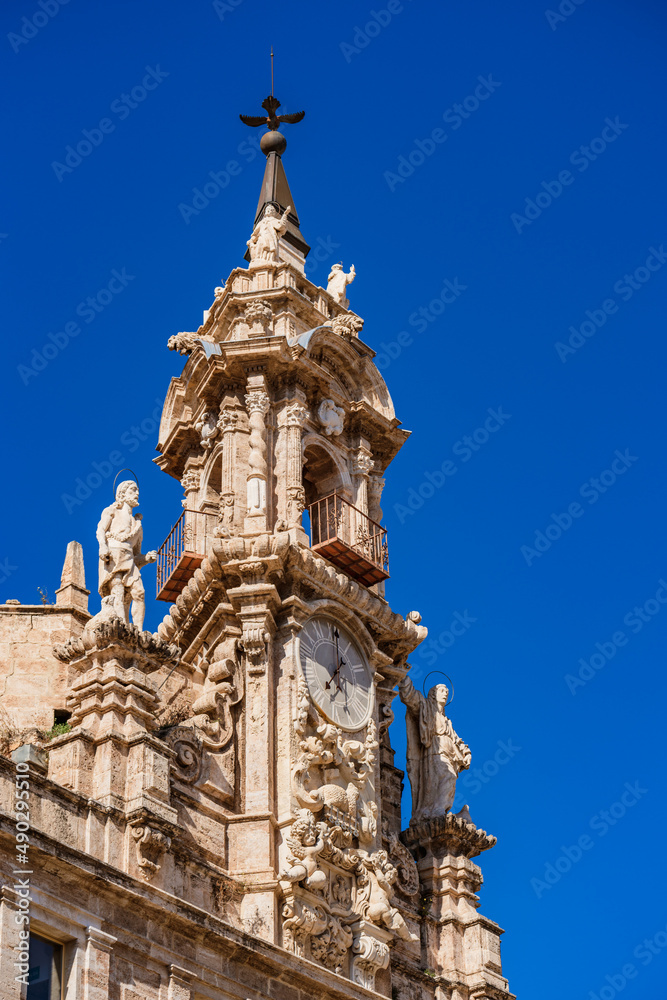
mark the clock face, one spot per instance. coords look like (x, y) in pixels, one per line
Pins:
(338, 678)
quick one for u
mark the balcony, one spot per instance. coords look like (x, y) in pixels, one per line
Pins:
(349, 539)
(182, 552)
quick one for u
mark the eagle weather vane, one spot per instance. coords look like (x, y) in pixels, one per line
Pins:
(271, 105)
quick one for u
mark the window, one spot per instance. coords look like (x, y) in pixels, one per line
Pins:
(45, 977)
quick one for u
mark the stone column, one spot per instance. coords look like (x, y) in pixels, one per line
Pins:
(295, 416)
(361, 467)
(99, 946)
(458, 941)
(375, 487)
(257, 404)
(9, 940)
(190, 483)
(227, 424)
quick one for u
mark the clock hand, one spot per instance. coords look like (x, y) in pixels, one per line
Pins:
(333, 676)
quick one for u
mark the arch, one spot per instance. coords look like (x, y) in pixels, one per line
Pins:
(324, 469)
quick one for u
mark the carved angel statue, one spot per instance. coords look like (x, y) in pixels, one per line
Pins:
(376, 890)
(306, 843)
(264, 242)
(435, 753)
(338, 281)
(119, 534)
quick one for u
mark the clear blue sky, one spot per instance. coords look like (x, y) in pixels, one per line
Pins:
(541, 201)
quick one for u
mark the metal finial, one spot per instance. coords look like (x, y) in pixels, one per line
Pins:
(271, 120)
(272, 71)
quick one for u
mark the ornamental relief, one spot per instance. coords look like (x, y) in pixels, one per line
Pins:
(338, 887)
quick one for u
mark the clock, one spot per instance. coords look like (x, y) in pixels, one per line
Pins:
(339, 679)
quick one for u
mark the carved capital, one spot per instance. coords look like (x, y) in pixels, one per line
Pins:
(190, 481)
(362, 464)
(257, 401)
(295, 414)
(228, 420)
(258, 316)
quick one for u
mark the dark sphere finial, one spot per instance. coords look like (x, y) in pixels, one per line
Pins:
(273, 142)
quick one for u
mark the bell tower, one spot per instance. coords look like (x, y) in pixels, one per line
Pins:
(280, 429)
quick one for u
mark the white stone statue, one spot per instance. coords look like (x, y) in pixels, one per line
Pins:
(120, 534)
(338, 281)
(264, 242)
(331, 417)
(435, 754)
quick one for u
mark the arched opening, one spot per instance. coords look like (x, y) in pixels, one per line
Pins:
(321, 475)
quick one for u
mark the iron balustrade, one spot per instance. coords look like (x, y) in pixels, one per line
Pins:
(349, 538)
(181, 553)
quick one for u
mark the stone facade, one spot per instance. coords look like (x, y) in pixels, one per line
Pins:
(222, 817)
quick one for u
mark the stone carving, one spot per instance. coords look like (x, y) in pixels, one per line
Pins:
(353, 762)
(108, 629)
(375, 887)
(332, 945)
(223, 688)
(306, 843)
(190, 482)
(341, 892)
(207, 428)
(258, 317)
(184, 343)
(375, 487)
(257, 403)
(119, 534)
(300, 921)
(408, 876)
(362, 463)
(454, 834)
(331, 417)
(294, 417)
(371, 955)
(338, 281)
(187, 746)
(228, 420)
(151, 845)
(347, 326)
(264, 243)
(435, 753)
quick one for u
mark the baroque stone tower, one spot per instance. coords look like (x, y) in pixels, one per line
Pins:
(224, 808)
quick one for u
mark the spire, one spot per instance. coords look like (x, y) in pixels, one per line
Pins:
(72, 591)
(275, 189)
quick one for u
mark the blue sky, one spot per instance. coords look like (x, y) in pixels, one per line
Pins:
(540, 201)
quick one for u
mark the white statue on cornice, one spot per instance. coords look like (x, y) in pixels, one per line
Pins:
(338, 281)
(120, 534)
(435, 753)
(264, 243)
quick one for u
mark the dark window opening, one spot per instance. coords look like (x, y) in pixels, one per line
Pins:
(45, 976)
(61, 716)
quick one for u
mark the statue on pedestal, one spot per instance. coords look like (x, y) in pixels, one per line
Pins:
(338, 281)
(264, 243)
(120, 534)
(435, 754)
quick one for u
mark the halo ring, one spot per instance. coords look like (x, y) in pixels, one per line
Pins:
(113, 488)
(450, 684)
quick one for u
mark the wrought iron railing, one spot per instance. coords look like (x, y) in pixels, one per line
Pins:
(181, 553)
(349, 538)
